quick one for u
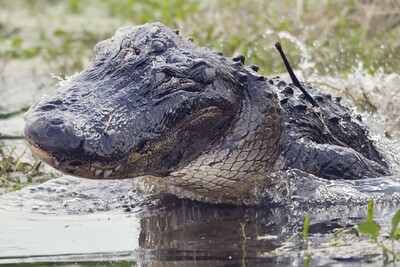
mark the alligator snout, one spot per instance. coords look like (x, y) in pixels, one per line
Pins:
(52, 134)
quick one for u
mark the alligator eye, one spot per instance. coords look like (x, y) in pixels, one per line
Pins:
(201, 72)
(176, 58)
(126, 43)
(158, 46)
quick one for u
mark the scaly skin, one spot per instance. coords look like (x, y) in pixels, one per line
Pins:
(152, 103)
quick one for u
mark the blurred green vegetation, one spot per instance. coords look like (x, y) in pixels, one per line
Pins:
(334, 36)
(15, 172)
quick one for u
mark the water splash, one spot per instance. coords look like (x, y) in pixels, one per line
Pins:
(377, 97)
(306, 65)
(63, 81)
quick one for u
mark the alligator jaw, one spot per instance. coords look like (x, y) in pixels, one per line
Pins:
(88, 170)
(42, 155)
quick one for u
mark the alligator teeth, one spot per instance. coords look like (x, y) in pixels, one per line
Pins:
(117, 168)
(107, 173)
(98, 172)
(56, 163)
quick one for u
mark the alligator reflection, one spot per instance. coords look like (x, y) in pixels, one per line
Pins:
(184, 230)
(191, 230)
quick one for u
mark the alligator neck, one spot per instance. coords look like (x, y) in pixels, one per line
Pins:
(243, 156)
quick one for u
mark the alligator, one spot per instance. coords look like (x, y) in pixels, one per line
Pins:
(152, 103)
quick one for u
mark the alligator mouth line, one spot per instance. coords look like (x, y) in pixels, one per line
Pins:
(85, 170)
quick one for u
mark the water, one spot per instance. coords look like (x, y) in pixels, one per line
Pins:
(62, 219)
(75, 220)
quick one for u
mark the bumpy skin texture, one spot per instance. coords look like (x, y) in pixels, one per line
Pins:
(153, 103)
(326, 141)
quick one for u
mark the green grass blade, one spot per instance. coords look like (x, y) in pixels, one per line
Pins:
(370, 211)
(306, 225)
(395, 223)
(385, 255)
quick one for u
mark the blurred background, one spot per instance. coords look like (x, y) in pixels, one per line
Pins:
(332, 35)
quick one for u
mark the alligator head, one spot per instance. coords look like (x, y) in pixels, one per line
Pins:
(153, 103)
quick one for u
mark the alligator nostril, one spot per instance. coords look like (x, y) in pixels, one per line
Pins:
(51, 105)
(47, 107)
(53, 131)
(56, 121)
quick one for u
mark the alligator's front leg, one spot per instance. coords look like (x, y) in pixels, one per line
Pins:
(329, 161)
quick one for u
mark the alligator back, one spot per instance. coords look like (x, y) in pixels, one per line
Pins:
(329, 140)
